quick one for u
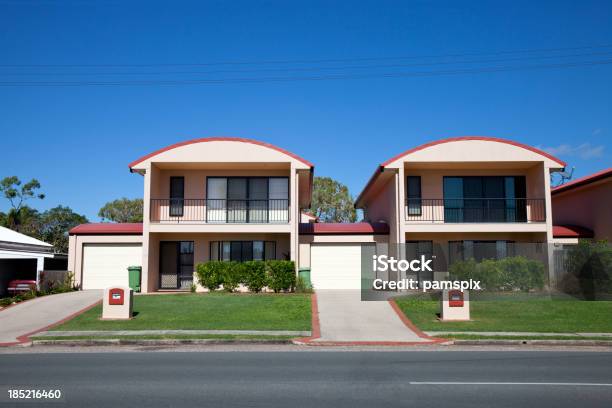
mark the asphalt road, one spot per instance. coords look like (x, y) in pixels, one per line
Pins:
(316, 379)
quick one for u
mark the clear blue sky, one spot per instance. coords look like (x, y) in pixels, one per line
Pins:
(78, 140)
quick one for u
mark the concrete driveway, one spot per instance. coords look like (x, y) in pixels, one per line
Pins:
(36, 314)
(343, 317)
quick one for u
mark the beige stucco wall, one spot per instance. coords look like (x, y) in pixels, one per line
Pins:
(75, 249)
(588, 206)
(222, 152)
(465, 151)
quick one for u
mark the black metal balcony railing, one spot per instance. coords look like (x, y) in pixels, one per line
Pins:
(270, 211)
(475, 210)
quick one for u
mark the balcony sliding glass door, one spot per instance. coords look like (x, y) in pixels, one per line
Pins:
(485, 199)
(247, 199)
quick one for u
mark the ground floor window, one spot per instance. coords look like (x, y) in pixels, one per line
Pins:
(479, 250)
(242, 251)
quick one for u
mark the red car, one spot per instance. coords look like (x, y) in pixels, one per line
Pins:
(20, 286)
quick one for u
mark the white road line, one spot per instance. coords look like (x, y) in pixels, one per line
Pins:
(511, 383)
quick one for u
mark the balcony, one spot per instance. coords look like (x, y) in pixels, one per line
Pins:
(475, 210)
(218, 211)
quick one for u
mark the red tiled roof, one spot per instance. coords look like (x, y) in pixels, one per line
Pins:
(107, 228)
(571, 231)
(337, 228)
(600, 175)
(220, 139)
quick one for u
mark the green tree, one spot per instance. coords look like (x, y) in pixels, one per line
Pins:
(122, 210)
(17, 194)
(331, 201)
(54, 225)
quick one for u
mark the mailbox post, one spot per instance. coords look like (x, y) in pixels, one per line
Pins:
(455, 305)
(117, 303)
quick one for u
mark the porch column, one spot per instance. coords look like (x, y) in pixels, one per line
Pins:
(40, 266)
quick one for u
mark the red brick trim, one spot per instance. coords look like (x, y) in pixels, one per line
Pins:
(25, 338)
(315, 331)
(220, 139)
(411, 325)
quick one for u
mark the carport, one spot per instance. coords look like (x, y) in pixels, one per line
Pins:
(21, 257)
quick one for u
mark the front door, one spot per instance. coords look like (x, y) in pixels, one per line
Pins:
(175, 264)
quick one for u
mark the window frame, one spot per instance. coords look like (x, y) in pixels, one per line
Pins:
(414, 202)
(176, 204)
(220, 252)
(247, 208)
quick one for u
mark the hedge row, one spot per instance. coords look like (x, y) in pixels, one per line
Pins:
(507, 274)
(589, 270)
(277, 275)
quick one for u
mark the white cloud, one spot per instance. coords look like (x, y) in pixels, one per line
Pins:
(582, 151)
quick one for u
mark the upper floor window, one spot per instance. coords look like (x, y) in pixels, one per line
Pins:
(413, 188)
(177, 196)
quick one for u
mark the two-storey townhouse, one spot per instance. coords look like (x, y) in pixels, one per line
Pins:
(464, 197)
(205, 199)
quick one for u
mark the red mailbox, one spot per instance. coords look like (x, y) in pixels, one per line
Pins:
(455, 298)
(115, 296)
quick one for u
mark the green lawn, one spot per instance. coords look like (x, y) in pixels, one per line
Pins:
(458, 336)
(531, 315)
(216, 311)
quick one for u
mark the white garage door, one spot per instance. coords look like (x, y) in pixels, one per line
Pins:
(106, 265)
(335, 266)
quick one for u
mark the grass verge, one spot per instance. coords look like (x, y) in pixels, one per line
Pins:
(211, 311)
(515, 315)
(455, 336)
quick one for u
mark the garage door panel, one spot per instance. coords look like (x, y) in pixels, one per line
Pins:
(336, 266)
(106, 265)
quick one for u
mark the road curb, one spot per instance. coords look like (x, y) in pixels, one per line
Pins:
(520, 342)
(153, 342)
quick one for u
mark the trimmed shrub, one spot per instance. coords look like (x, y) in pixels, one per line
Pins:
(507, 274)
(255, 276)
(281, 275)
(210, 274)
(233, 275)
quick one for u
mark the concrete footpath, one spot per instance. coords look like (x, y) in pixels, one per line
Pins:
(343, 317)
(37, 314)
